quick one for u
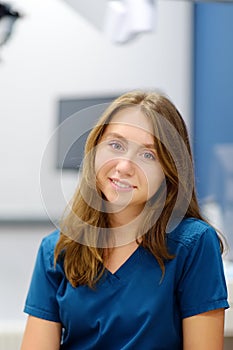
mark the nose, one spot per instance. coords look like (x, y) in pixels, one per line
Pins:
(125, 167)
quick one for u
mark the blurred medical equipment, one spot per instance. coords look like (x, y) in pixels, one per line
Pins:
(8, 16)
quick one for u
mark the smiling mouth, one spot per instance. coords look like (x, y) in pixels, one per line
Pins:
(122, 184)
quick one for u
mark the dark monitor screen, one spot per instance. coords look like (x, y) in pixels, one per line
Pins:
(76, 117)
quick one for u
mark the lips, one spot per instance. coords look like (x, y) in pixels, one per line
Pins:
(122, 184)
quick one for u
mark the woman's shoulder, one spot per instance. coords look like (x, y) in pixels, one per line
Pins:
(48, 245)
(189, 231)
(45, 255)
(49, 241)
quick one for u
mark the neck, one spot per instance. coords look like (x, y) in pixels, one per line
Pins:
(125, 225)
(124, 217)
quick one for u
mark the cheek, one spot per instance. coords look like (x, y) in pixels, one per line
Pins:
(103, 164)
(154, 179)
(100, 160)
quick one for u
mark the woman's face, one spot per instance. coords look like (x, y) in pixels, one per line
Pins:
(127, 167)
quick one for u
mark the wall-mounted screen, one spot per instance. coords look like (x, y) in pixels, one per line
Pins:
(76, 117)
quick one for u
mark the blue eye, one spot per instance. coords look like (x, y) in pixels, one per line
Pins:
(116, 145)
(149, 155)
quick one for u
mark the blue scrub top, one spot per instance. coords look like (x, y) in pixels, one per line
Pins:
(133, 308)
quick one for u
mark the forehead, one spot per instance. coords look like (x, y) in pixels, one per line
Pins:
(132, 124)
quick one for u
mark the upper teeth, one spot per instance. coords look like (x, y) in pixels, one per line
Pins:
(120, 184)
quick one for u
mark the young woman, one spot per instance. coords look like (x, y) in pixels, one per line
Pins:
(134, 264)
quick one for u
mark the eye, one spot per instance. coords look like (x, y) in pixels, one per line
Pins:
(148, 155)
(116, 145)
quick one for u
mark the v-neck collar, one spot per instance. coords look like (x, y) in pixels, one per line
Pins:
(126, 267)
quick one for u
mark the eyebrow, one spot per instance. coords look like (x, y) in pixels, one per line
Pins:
(118, 136)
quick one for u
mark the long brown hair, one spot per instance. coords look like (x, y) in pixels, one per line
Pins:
(83, 229)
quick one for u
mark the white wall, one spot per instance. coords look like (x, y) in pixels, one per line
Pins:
(55, 53)
(19, 246)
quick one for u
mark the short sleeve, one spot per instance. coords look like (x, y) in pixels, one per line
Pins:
(41, 300)
(202, 287)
